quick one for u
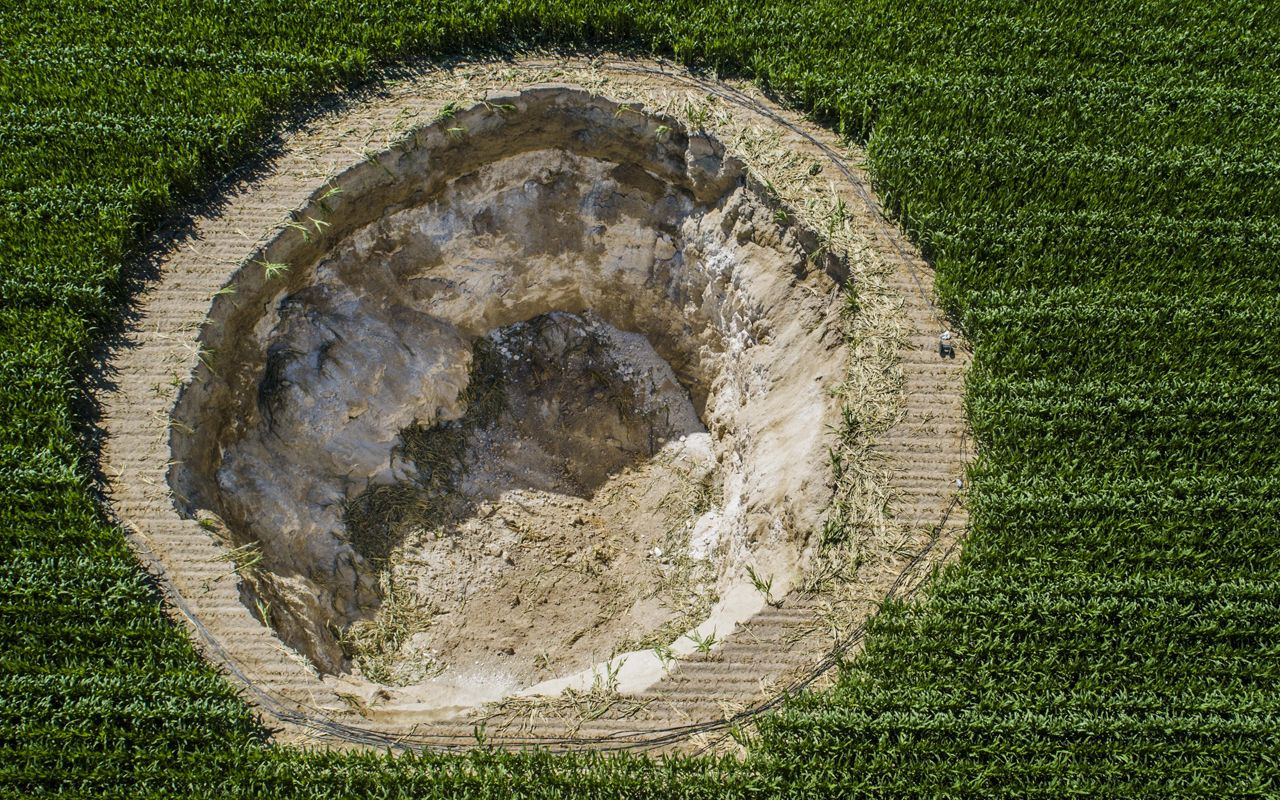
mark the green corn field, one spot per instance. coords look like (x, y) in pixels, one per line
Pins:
(1098, 189)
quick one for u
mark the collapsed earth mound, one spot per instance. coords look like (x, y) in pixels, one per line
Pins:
(549, 381)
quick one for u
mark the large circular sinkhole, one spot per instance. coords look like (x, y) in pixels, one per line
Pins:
(550, 381)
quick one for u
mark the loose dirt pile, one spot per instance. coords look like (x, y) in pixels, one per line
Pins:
(532, 388)
(546, 528)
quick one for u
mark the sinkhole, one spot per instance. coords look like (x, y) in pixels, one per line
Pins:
(548, 381)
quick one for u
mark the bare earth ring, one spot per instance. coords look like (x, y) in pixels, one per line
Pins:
(594, 413)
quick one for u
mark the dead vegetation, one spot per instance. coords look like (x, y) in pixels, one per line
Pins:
(380, 518)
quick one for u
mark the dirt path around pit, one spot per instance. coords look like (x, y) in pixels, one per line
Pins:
(904, 500)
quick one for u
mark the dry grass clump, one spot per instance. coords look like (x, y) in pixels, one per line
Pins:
(379, 518)
(375, 644)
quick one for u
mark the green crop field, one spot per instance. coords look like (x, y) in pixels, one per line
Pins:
(1099, 191)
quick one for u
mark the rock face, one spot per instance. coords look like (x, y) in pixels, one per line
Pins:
(543, 337)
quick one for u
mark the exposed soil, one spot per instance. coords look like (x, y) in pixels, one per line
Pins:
(545, 393)
(457, 395)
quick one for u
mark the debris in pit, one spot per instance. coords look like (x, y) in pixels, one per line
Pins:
(504, 500)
